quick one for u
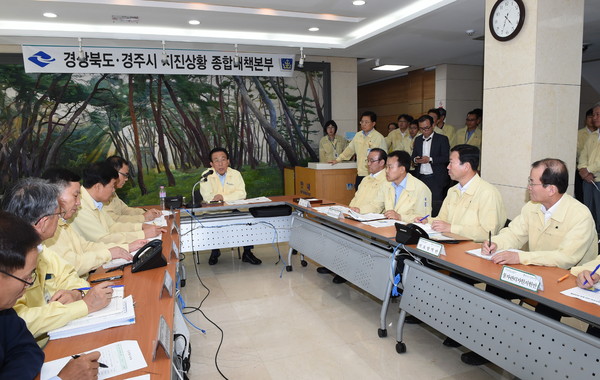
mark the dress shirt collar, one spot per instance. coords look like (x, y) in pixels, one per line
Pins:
(398, 188)
(466, 186)
(548, 213)
(366, 134)
(98, 205)
(378, 173)
(222, 177)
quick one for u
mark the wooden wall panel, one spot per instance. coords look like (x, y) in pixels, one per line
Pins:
(413, 94)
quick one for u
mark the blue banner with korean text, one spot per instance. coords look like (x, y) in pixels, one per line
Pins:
(117, 60)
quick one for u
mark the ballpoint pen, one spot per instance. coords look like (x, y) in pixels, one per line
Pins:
(423, 218)
(101, 365)
(593, 273)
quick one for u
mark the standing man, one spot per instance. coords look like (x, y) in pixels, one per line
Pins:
(589, 129)
(361, 145)
(395, 139)
(471, 134)
(20, 356)
(589, 169)
(404, 197)
(430, 156)
(450, 130)
(473, 208)
(446, 130)
(224, 184)
(116, 208)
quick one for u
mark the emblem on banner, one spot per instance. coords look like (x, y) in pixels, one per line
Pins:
(41, 59)
(287, 64)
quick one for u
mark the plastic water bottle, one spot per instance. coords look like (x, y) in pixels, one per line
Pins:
(162, 194)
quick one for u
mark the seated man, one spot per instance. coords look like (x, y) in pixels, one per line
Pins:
(404, 197)
(361, 202)
(558, 229)
(473, 208)
(224, 184)
(54, 298)
(116, 208)
(83, 254)
(93, 223)
(20, 356)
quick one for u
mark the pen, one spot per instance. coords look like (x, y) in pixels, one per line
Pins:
(327, 204)
(490, 239)
(106, 279)
(101, 365)
(563, 278)
(593, 273)
(112, 286)
(423, 218)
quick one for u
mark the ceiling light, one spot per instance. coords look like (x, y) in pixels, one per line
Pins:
(389, 67)
(359, 2)
(194, 22)
(313, 29)
(50, 15)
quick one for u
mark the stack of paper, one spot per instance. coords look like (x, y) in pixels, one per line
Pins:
(119, 312)
(477, 252)
(120, 357)
(588, 295)
(364, 217)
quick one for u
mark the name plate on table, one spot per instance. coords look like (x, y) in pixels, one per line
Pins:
(303, 203)
(432, 247)
(167, 285)
(522, 279)
(162, 339)
(174, 250)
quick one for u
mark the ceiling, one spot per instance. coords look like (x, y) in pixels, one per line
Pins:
(418, 33)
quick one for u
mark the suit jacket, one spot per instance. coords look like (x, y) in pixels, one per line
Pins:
(440, 153)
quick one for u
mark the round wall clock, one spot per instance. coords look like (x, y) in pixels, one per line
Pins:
(506, 19)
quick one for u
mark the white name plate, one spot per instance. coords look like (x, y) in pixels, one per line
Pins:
(432, 247)
(522, 279)
(303, 203)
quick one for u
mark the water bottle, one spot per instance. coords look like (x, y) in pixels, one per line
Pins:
(162, 194)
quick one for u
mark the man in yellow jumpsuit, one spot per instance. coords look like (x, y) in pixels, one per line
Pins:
(224, 184)
(54, 298)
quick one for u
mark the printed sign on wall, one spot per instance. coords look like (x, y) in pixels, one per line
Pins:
(116, 60)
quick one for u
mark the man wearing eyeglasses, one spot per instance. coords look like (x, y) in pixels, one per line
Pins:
(93, 223)
(116, 208)
(20, 356)
(83, 254)
(53, 299)
(471, 133)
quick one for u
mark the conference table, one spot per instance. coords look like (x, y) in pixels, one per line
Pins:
(517, 339)
(146, 288)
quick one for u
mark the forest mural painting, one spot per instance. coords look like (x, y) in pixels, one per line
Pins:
(165, 125)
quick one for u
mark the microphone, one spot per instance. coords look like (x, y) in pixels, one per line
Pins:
(204, 177)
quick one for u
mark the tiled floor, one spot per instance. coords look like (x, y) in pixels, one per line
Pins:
(302, 326)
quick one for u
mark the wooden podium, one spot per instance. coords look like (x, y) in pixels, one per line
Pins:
(326, 181)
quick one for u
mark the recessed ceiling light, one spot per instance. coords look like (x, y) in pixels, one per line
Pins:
(359, 2)
(313, 29)
(50, 15)
(389, 67)
(194, 22)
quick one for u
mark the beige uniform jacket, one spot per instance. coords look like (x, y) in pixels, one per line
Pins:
(449, 131)
(120, 212)
(234, 188)
(568, 239)
(361, 145)
(83, 254)
(368, 190)
(461, 137)
(414, 201)
(95, 225)
(53, 274)
(329, 150)
(590, 156)
(474, 213)
(590, 265)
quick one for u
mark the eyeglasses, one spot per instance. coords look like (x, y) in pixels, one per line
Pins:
(217, 161)
(126, 175)
(471, 119)
(531, 184)
(372, 160)
(31, 277)
(426, 128)
(62, 215)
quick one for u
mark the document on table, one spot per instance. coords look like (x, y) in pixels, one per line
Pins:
(588, 295)
(120, 357)
(364, 217)
(381, 223)
(86, 325)
(161, 221)
(248, 201)
(117, 262)
(332, 210)
(477, 252)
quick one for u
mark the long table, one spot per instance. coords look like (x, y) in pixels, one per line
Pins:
(145, 288)
(525, 343)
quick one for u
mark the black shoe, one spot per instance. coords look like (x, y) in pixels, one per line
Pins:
(248, 257)
(412, 320)
(214, 257)
(449, 342)
(471, 358)
(323, 270)
(338, 279)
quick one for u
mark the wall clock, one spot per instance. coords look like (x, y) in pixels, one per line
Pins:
(506, 19)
